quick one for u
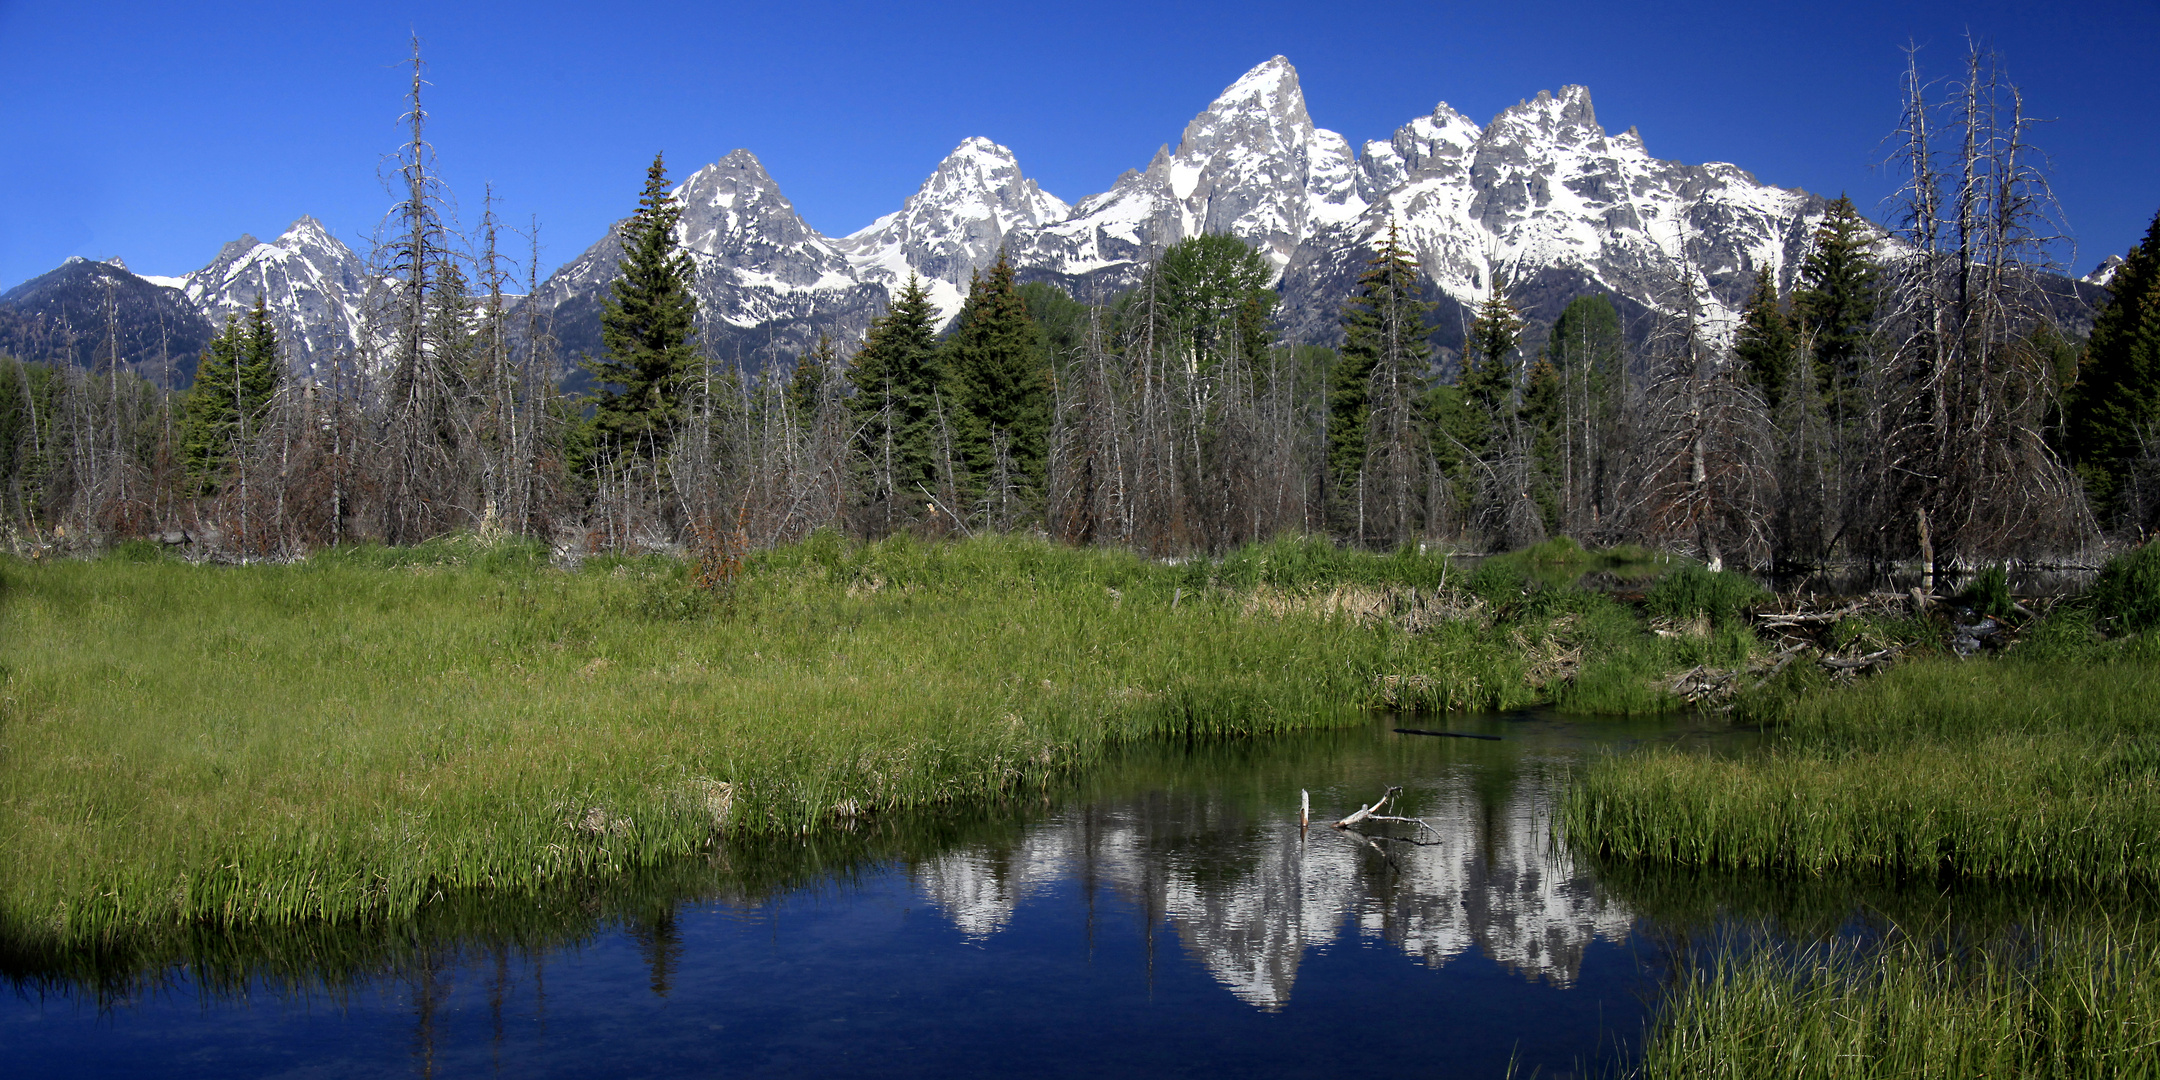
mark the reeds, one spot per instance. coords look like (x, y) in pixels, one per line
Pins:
(2077, 1002)
(1995, 770)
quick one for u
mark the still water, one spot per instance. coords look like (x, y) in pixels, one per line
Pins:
(1167, 917)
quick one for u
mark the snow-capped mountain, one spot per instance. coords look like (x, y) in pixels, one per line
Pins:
(85, 311)
(1542, 198)
(2103, 275)
(759, 267)
(954, 225)
(312, 284)
(1546, 200)
(1251, 164)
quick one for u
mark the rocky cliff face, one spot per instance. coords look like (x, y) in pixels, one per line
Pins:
(314, 286)
(1548, 202)
(763, 275)
(954, 225)
(1251, 164)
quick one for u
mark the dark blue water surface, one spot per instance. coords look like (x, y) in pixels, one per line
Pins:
(1165, 918)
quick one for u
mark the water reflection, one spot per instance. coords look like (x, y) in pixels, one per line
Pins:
(1250, 893)
(1170, 899)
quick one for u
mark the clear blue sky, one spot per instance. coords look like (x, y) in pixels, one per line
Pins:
(157, 131)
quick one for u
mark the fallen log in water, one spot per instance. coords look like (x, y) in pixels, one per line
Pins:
(1445, 734)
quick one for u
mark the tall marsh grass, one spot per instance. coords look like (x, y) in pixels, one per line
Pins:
(2082, 1001)
(357, 734)
(2039, 766)
(1998, 770)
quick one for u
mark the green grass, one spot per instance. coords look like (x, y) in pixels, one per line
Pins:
(2034, 774)
(2082, 1001)
(368, 732)
(2028, 771)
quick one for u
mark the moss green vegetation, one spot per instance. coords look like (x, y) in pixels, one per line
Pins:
(368, 732)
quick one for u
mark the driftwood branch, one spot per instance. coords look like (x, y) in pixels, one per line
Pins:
(1858, 663)
(1372, 813)
(1445, 734)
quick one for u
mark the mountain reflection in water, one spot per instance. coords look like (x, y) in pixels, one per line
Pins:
(1164, 916)
(1249, 895)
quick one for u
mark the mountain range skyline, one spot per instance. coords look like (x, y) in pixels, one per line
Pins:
(1542, 197)
(150, 158)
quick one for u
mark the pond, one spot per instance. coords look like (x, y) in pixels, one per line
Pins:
(1165, 917)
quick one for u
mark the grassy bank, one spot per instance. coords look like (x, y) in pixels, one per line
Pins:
(2034, 773)
(2043, 768)
(360, 734)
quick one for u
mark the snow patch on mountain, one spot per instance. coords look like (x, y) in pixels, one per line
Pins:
(954, 225)
(314, 287)
(1541, 198)
(2103, 275)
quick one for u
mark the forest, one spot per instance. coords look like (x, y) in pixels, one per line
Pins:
(1910, 395)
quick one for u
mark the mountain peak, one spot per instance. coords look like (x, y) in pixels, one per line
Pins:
(1265, 84)
(305, 225)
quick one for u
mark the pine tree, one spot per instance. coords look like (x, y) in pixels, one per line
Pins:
(1586, 346)
(2115, 410)
(1376, 425)
(1543, 413)
(898, 378)
(1765, 342)
(1488, 379)
(812, 368)
(1000, 392)
(645, 328)
(1835, 301)
(235, 380)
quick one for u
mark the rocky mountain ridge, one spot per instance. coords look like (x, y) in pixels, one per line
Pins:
(1542, 199)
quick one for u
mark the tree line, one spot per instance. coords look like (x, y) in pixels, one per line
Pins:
(1905, 394)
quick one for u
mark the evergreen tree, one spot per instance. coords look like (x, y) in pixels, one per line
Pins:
(1586, 346)
(1543, 413)
(1765, 342)
(645, 328)
(235, 380)
(1376, 425)
(453, 329)
(1835, 301)
(808, 380)
(2114, 416)
(1488, 378)
(898, 376)
(1000, 392)
(1061, 322)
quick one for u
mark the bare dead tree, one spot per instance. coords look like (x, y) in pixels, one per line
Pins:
(1966, 473)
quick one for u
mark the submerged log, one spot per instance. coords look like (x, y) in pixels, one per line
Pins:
(1445, 734)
